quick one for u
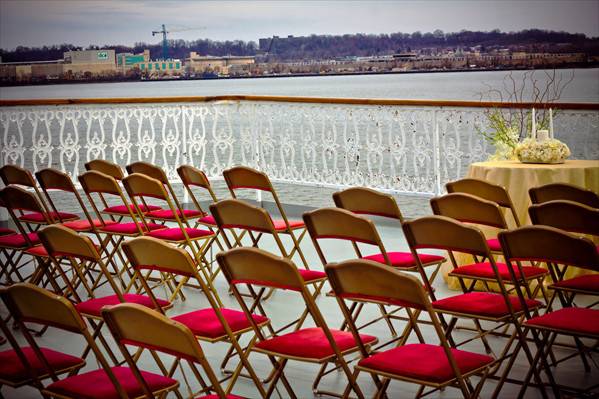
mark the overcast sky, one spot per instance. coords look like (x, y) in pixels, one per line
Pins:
(84, 22)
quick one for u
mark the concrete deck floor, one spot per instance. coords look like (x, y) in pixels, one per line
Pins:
(284, 305)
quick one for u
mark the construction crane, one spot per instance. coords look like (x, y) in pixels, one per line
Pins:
(164, 32)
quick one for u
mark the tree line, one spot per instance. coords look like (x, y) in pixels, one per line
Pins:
(335, 46)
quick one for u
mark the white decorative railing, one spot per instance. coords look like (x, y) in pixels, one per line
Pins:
(410, 148)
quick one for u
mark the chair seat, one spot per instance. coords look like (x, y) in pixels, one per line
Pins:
(311, 343)
(12, 369)
(19, 240)
(494, 244)
(209, 220)
(424, 362)
(38, 217)
(484, 270)
(485, 304)
(167, 214)
(405, 259)
(311, 275)
(204, 323)
(85, 225)
(129, 228)
(38, 250)
(97, 385)
(588, 283)
(122, 209)
(280, 224)
(93, 307)
(578, 321)
(5, 231)
(176, 233)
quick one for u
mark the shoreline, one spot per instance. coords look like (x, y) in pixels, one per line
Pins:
(458, 70)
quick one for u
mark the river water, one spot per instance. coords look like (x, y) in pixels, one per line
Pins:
(437, 86)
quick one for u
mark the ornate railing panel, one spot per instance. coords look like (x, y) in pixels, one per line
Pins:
(399, 148)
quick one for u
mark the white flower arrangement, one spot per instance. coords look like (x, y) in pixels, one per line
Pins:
(548, 151)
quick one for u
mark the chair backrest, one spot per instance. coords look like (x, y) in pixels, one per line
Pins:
(564, 191)
(566, 215)
(142, 185)
(106, 167)
(136, 325)
(366, 201)
(149, 253)
(234, 213)
(12, 174)
(468, 208)
(62, 241)
(94, 182)
(246, 177)
(17, 198)
(194, 177)
(148, 169)
(548, 244)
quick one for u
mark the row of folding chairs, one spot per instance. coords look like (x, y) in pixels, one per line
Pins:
(345, 225)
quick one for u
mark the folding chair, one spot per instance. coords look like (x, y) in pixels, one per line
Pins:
(365, 201)
(554, 246)
(318, 344)
(30, 304)
(242, 177)
(66, 245)
(428, 365)
(564, 191)
(212, 325)
(165, 215)
(17, 176)
(133, 325)
(116, 172)
(104, 187)
(470, 209)
(485, 190)
(140, 186)
(574, 217)
(499, 309)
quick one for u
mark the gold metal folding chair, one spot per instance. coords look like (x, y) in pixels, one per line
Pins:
(554, 246)
(134, 325)
(485, 190)
(318, 344)
(574, 217)
(30, 304)
(564, 191)
(364, 280)
(212, 325)
(468, 208)
(243, 177)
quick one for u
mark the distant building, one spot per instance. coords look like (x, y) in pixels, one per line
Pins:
(22, 71)
(196, 63)
(128, 61)
(96, 62)
(161, 67)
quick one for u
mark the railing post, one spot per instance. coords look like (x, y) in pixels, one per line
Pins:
(436, 154)
(184, 149)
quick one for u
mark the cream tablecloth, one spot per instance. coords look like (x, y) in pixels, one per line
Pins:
(518, 178)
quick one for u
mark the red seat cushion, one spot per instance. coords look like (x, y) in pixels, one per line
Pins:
(12, 369)
(405, 259)
(311, 275)
(208, 220)
(494, 244)
(169, 215)
(129, 228)
(96, 384)
(85, 225)
(482, 304)
(176, 234)
(204, 323)
(38, 217)
(122, 209)
(94, 306)
(311, 343)
(576, 320)
(4, 231)
(424, 362)
(38, 250)
(18, 240)
(293, 224)
(485, 270)
(588, 282)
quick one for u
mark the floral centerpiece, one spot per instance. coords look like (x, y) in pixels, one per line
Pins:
(530, 150)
